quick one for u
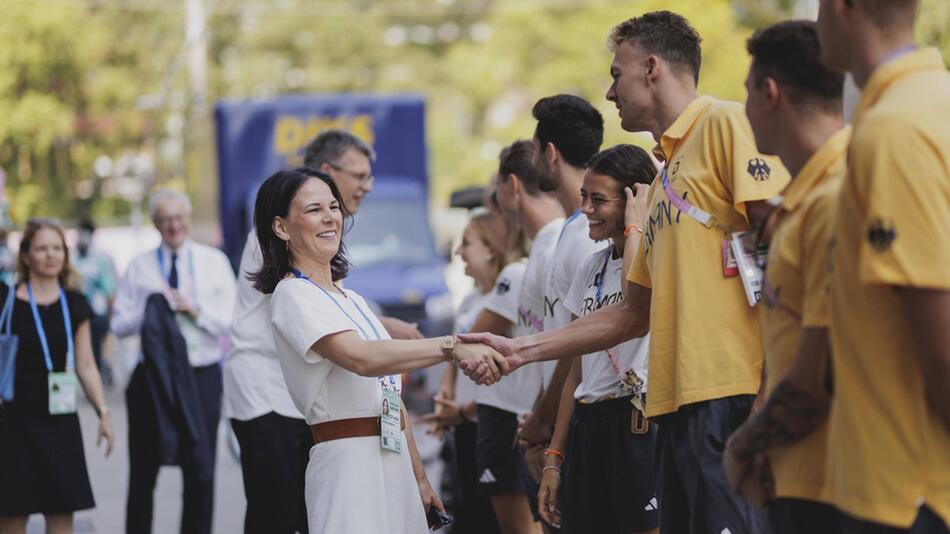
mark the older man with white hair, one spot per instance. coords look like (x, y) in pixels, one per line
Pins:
(174, 396)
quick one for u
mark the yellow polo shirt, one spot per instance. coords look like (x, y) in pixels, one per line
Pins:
(888, 452)
(705, 341)
(796, 296)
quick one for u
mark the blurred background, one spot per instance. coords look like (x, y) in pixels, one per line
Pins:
(104, 101)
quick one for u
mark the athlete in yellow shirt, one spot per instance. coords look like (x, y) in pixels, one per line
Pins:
(794, 106)
(706, 347)
(889, 425)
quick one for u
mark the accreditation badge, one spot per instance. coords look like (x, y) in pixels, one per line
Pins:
(190, 331)
(62, 392)
(390, 419)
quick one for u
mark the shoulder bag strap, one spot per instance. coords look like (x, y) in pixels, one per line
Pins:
(6, 316)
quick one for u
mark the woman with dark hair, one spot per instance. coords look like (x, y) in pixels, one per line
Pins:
(42, 463)
(602, 447)
(340, 364)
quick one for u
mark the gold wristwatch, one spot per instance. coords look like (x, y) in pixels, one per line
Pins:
(448, 348)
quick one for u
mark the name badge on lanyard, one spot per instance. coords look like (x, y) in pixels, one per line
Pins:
(61, 386)
(390, 419)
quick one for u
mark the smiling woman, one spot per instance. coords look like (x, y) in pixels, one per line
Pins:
(341, 367)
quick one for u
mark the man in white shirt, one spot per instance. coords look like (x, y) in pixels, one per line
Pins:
(569, 132)
(274, 438)
(198, 283)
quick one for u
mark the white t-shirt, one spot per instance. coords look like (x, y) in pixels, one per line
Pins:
(572, 250)
(302, 314)
(600, 381)
(471, 306)
(514, 393)
(531, 306)
(253, 382)
(205, 278)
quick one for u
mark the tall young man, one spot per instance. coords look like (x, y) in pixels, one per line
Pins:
(889, 441)
(569, 132)
(794, 106)
(706, 348)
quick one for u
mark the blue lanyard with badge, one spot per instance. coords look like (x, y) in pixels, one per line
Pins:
(189, 329)
(62, 385)
(390, 419)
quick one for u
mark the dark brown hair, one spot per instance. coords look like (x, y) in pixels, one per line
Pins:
(664, 33)
(273, 200)
(789, 53)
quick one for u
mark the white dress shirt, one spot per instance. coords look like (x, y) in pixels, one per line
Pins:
(254, 384)
(205, 278)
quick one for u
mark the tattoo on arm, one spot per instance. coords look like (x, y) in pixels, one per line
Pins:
(789, 415)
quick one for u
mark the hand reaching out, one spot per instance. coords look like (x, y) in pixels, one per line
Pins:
(481, 363)
(503, 345)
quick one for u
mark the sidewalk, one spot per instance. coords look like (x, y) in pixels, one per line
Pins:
(109, 477)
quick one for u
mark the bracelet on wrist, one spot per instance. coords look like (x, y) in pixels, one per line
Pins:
(554, 468)
(555, 452)
(102, 410)
(632, 227)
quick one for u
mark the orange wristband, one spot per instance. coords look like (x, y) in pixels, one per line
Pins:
(626, 231)
(554, 452)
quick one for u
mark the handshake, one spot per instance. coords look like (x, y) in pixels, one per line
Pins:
(485, 358)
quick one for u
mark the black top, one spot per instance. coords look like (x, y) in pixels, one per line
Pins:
(31, 390)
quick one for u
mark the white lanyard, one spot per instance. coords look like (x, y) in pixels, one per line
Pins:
(693, 211)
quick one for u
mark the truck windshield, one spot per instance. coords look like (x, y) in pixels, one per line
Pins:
(389, 231)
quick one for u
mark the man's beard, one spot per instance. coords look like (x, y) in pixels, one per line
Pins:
(547, 180)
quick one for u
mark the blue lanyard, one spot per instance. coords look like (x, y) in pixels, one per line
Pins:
(41, 332)
(567, 222)
(299, 274)
(191, 270)
(603, 273)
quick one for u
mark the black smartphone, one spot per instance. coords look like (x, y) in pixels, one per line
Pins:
(438, 519)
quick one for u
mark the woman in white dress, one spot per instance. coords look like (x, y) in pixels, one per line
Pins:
(341, 365)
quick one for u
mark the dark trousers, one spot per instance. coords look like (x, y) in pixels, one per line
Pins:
(692, 490)
(274, 455)
(474, 513)
(794, 516)
(145, 460)
(927, 522)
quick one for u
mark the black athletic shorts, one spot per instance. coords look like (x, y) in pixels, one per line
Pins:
(607, 485)
(794, 516)
(499, 460)
(691, 485)
(927, 522)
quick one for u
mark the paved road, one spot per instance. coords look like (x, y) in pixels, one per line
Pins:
(109, 477)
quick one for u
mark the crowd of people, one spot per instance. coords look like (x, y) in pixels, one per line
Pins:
(618, 366)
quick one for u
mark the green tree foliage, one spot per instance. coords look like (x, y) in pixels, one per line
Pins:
(85, 78)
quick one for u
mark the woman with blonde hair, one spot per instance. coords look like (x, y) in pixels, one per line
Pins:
(42, 461)
(482, 248)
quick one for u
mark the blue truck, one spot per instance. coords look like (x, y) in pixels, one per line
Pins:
(390, 243)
